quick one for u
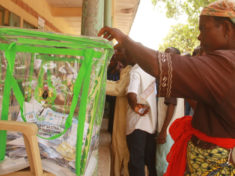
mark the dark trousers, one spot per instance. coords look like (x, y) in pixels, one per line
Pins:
(142, 148)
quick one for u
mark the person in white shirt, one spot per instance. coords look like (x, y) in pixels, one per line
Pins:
(141, 122)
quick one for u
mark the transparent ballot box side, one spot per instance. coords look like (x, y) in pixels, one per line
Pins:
(57, 82)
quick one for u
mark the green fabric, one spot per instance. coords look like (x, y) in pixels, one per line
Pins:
(95, 111)
(30, 75)
(90, 49)
(10, 53)
(82, 111)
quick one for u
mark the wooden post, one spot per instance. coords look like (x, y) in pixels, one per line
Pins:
(92, 17)
(108, 13)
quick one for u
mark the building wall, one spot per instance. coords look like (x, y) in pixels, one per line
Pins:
(31, 10)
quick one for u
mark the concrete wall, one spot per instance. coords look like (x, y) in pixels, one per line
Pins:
(30, 10)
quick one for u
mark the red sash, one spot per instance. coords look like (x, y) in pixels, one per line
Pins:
(181, 132)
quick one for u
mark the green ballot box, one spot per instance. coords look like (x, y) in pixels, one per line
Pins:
(57, 82)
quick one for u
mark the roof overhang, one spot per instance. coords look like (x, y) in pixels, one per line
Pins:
(123, 14)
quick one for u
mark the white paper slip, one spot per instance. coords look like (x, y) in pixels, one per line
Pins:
(12, 165)
(17, 142)
(53, 168)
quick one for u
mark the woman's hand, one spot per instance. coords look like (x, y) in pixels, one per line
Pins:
(161, 139)
(112, 33)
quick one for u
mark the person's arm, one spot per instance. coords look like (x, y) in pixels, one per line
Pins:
(171, 71)
(132, 100)
(116, 88)
(145, 57)
(140, 109)
(171, 103)
(179, 76)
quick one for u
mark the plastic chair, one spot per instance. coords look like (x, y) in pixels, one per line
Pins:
(29, 131)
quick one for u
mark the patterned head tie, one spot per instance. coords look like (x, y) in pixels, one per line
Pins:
(221, 8)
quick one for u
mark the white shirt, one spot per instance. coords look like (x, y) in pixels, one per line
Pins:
(143, 85)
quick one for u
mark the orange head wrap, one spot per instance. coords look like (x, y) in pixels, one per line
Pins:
(221, 8)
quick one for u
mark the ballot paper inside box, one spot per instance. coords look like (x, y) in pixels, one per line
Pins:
(57, 82)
